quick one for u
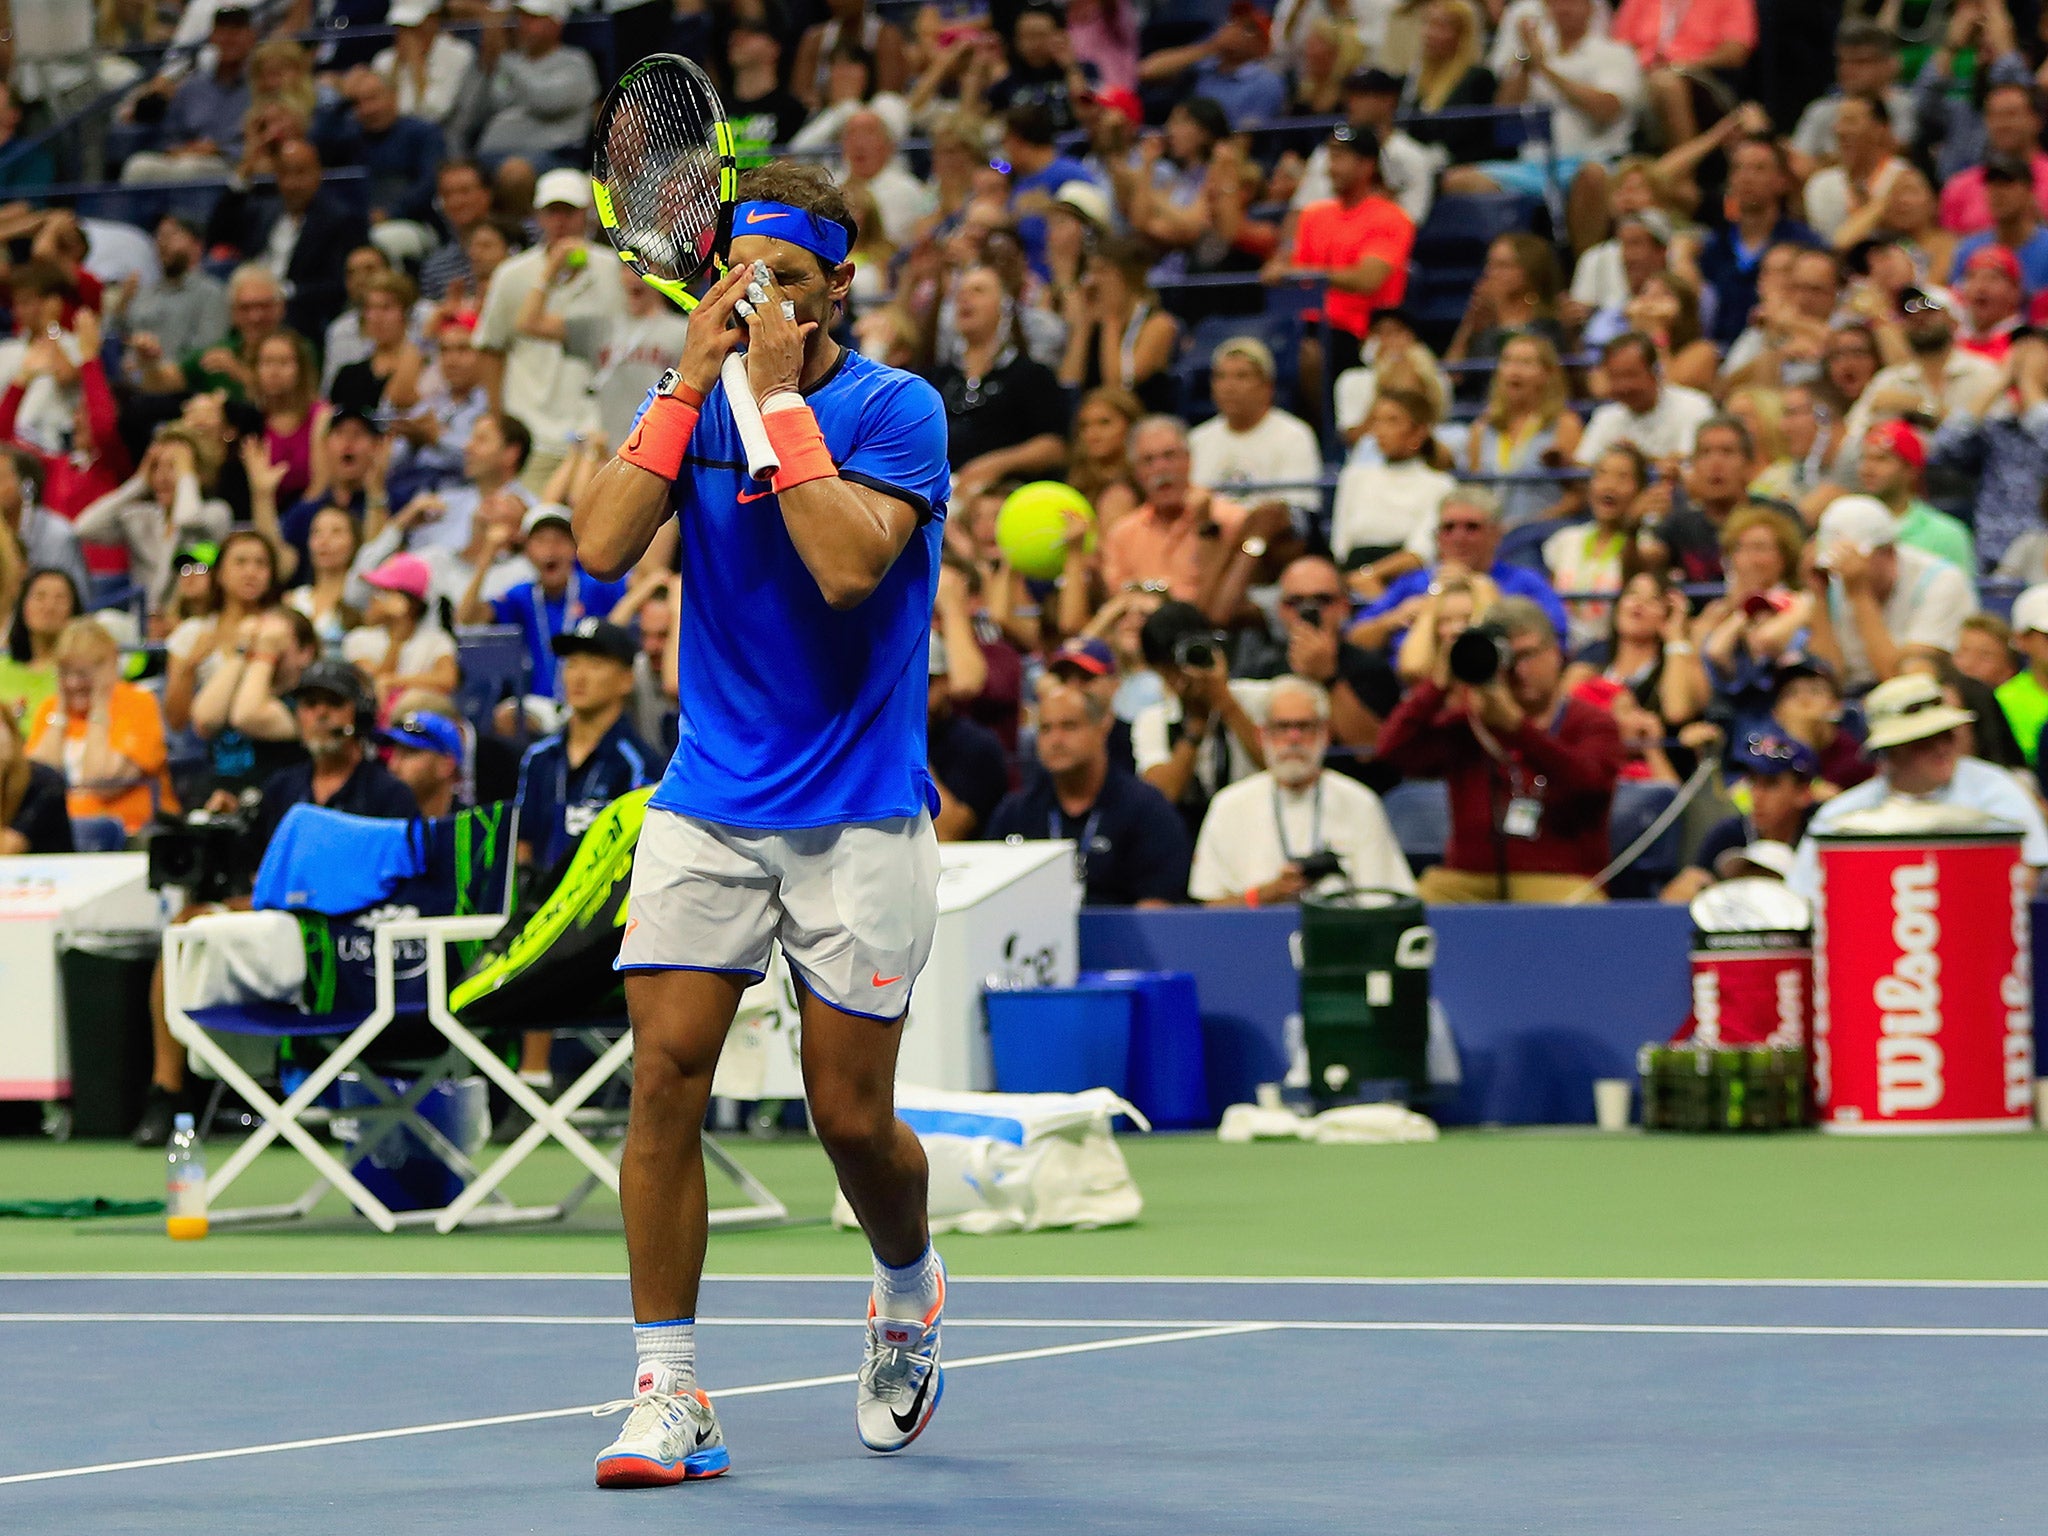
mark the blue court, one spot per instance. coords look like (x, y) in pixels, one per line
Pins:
(354, 1405)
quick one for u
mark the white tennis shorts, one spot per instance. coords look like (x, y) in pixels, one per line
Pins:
(853, 906)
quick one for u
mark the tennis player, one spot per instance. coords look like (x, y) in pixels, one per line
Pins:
(797, 807)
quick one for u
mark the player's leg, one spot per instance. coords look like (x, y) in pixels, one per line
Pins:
(850, 1080)
(698, 899)
(860, 904)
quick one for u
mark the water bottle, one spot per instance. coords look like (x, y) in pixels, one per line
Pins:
(185, 1182)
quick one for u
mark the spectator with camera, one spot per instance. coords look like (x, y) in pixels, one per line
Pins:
(1468, 535)
(1774, 788)
(333, 716)
(1296, 827)
(1204, 733)
(1530, 770)
(1130, 846)
(1308, 642)
(1918, 738)
(1874, 599)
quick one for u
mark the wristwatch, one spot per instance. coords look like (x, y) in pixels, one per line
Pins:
(669, 383)
(1255, 546)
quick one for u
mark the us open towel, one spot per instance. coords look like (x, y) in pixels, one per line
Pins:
(1019, 1162)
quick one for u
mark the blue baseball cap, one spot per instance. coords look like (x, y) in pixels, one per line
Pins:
(1766, 754)
(424, 732)
(1091, 656)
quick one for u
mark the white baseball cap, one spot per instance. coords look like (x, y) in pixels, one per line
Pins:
(2030, 611)
(562, 186)
(410, 13)
(556, 9)
(1085, 199)
(1909, 707)
(1863, 522)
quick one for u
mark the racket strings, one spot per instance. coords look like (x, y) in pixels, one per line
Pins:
(661, 167)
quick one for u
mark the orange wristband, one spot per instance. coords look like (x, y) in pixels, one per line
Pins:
(658, 442)
(794, 434)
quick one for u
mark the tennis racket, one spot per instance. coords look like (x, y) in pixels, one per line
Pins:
(664, 179)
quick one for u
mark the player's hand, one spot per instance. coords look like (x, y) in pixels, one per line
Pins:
(775, 344)
(709, 340)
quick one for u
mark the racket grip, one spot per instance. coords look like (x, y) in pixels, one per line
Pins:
(746, 415)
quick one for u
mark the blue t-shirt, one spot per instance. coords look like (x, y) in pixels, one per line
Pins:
(2033, 257)
(540, 618)
(795, 714)
(1513, 581)
(1031, 226)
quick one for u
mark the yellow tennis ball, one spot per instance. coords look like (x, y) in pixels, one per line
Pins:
(1031, 528)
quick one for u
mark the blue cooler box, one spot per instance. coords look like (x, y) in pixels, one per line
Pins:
(1061, 1039)
(401, 1171)
(1169, 1073)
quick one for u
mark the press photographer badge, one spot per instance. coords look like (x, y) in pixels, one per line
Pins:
(1525, 809)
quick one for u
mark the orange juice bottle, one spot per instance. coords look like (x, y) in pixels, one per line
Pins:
(185, 1182)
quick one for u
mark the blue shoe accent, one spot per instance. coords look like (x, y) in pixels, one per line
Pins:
(708, 1462)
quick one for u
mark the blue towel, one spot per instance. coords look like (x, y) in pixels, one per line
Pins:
(332, 862)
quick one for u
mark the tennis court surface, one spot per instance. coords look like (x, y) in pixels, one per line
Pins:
(354, 1404)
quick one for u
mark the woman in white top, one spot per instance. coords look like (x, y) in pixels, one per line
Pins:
(398, 647)
(332, 539)
(244, 582)
(1385, 520)
(155, 511)
(1394, 358)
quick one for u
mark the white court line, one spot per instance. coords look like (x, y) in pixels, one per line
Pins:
(155, 1277)
(448, 1426)
(1205, 1326)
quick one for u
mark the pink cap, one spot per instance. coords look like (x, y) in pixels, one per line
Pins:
(403, 573)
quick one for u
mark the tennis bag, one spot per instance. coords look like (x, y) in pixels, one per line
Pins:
(556, 964)
(1019, 1162)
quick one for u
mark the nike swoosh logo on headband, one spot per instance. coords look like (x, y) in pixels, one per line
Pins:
(757, 217)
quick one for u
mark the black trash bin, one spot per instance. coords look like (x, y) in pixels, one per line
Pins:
(106, 1018)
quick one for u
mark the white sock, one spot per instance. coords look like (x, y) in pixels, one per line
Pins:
(910, 1292)
(667, 1355)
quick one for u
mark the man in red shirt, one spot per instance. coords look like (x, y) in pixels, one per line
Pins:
(1531, 772)
(1357, 242)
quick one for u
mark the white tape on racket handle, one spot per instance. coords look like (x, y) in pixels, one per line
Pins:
(746, 415)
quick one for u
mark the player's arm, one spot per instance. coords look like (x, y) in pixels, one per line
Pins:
(847, 535)
(625, 502)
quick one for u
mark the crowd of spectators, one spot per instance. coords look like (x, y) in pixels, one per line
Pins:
(1740, 415)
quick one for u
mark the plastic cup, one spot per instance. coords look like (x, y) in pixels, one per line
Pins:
(1611, 1101)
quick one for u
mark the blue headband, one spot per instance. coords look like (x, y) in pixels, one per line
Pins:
(823, 238)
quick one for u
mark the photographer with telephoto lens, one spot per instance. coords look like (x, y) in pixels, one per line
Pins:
(1530, 770)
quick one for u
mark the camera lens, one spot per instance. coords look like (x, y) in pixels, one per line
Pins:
(1195, 653)
(1476, 657)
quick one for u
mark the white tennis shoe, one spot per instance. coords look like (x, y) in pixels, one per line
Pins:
(671, 1435)
(900, 1381)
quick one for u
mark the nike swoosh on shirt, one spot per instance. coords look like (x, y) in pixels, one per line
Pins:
(883, 981)
(908, 1421)
(747, 496)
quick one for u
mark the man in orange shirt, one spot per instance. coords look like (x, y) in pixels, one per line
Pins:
(1180, 535)
(1357, 242)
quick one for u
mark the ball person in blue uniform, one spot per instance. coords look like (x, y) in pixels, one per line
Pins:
(797, 808)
